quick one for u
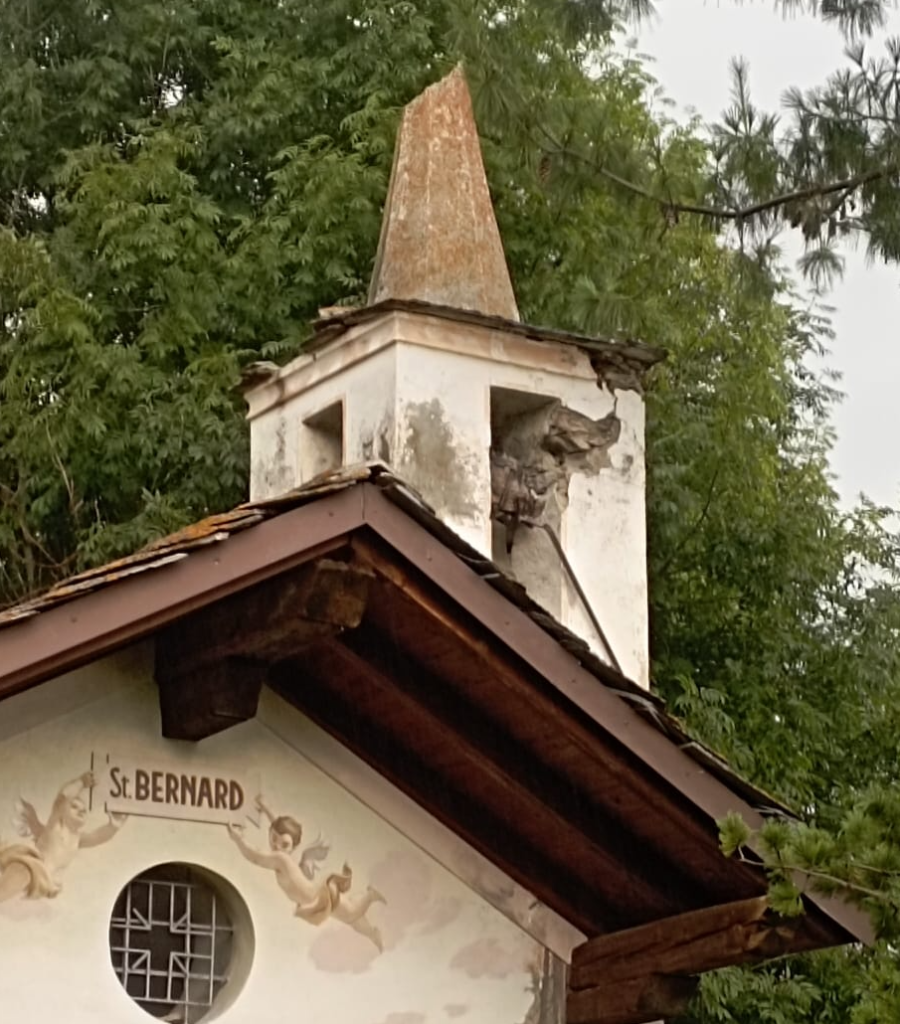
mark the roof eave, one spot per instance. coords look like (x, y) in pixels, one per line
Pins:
(96, 624)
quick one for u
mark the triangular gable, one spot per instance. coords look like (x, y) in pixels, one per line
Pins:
(365, 613)
(432, 932)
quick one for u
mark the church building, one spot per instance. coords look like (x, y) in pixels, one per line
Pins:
(378, 746)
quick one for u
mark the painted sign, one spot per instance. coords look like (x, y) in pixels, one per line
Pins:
(141, 786)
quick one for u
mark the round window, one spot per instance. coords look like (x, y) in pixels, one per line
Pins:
(178, 937)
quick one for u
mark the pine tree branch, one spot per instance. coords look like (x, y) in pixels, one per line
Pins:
(736, 214)
(843, 883)
(788, 869)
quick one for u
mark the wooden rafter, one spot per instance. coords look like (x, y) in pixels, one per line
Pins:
(600, 770)
(474, 752)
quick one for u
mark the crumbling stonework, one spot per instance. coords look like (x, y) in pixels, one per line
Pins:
(534, 459)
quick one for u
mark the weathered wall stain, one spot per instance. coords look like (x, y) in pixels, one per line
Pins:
(489, 957)
(384, 442)
(274, 474)
(548, 983)
(377, 444)
(432, 461)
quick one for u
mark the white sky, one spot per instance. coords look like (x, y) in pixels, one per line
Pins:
(692, 43)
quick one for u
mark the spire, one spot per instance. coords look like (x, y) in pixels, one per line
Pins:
(439, 238)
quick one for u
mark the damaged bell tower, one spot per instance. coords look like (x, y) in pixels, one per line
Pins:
(528, 442)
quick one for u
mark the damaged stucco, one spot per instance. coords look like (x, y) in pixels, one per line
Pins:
(495, 431)
(534, 456)
(273, 474)
(432, 455)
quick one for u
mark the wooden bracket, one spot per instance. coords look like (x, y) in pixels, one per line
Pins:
(210, 666)
(647, 973)
(214, 697)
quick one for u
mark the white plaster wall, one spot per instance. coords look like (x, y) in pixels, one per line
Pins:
(417, 391)
(604, 535)
(273, 453)
(448, 954)
(603, 529)
(444, 434)
(368, 391)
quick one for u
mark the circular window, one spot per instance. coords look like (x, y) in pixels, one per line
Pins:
(180, 939)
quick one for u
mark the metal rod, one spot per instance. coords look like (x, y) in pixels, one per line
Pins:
(554, 540)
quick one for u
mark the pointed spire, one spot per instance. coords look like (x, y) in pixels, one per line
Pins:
(439, 238)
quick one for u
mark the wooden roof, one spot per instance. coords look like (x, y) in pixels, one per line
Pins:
(362, 610)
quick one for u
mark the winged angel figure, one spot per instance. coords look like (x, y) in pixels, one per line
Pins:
(315, 901)
(30, 868)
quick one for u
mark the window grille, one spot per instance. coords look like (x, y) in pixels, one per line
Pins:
(170, 937)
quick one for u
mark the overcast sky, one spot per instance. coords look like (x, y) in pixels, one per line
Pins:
(692, 43)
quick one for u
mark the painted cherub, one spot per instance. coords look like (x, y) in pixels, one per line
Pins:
(315, 902)
(30, 868)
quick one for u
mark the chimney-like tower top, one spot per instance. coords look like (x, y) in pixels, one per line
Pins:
(439, 238)
(527, 442)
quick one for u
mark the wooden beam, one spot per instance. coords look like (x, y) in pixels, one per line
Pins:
(307, 685)
(637, 1001)
(702, 940)
(214, 697)
(597, 764)
(507, 774)
(271, 621)
(210, 665)
(646, 973)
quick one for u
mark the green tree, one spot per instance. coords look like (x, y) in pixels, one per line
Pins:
(826, 164)
(182, 185)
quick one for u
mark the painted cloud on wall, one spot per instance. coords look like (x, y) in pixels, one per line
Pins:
(413, 907)
(486, 957)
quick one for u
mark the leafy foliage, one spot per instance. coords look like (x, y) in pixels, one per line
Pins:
(182, 184)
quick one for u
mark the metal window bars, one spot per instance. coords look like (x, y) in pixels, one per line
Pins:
(170, 938)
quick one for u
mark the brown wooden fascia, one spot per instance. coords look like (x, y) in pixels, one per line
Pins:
(98, 623)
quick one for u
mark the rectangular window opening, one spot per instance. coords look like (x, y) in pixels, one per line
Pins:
(322, 442)
(518, 424)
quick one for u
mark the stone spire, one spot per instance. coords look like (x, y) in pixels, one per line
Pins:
(439, 238)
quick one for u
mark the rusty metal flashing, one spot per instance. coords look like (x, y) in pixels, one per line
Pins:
(91, 615)
(634, 355)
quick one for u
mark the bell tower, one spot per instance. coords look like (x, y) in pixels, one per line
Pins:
(528, 442)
